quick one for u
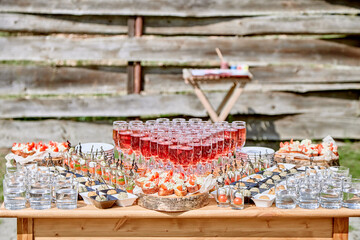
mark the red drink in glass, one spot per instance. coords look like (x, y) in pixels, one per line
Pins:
(145, 146)
(125, 140)
(241, 137)
(220, 145)
(153, 148)
(206, 151)
(197, 152)
(227, 143)
(163, 149)
(214, 147)
(185, 155)
(234, 138)
(135, 141)
(173, 154)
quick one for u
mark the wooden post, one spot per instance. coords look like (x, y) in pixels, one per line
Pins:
(130, 66)
(137, 65)
(25, 229)
(135, 29)
(341, 228)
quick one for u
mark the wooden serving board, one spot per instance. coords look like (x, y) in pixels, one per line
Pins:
(279, 158)
(173, 203)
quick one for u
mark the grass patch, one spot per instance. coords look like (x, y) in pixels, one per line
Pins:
(350, 157)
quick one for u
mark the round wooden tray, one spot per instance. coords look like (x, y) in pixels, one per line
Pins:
(279, 158)
(173, 203)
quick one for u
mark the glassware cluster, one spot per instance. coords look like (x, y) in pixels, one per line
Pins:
(179, 144)
(38, 186)
(330, 188)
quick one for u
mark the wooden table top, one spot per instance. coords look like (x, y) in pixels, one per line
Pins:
(210, 211)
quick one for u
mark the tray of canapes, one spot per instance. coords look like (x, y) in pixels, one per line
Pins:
(305, 152)
(98, 193)
(259, 188)
(173, 192)
(40, 152)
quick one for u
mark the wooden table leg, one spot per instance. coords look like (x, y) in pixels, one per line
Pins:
(25, 228)
(232, 100)
(341, 228)
(205, 101)
(226, 98)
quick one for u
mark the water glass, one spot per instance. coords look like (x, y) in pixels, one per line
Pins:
(14, 193)
(351, 194)
(308, 193)
(331, 193)
(40, 195)
(339, 171)
(285, 197)
(66, 195)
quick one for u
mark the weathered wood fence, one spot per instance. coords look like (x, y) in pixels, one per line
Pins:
(89, 58)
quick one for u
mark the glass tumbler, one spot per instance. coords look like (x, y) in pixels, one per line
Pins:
(331, 193)
(285, 196)
(66, 195)
(351, 194)
(40, 195)
(308, 193)
(14, 192)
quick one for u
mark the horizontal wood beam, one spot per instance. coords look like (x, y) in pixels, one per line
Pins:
(258, 103)
(182, 8)
(15, 22)
(262, 25)
(179, 50)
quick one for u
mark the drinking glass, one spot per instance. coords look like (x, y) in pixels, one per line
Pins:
(240, 126)
(206, 149)
(124, 137)
(14, 192)
(339, 171)
(66, 195)
(145, 143)
(195, 121)
(308, 193)
(223, 196)
(285, 196)
(185, 151)
(351, 193)
(237, 198)
(40, 195)
(116, 130)
(136, 134)
(331, 193)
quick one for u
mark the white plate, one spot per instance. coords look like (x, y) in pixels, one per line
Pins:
(86, 147)
(125, 202)
(257, 151)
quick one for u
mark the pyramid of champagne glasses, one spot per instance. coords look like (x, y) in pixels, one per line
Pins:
(179, 144)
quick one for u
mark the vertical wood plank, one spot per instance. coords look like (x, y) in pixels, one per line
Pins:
(25, 229)
(130, 67)
(341, 228)
(137, 65)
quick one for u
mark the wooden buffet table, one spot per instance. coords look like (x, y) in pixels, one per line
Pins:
(209, 222)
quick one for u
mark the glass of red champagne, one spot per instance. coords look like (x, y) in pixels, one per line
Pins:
(116, 133)
(240, 126)
(145, 143)
(185, 151)
(124, 137)
(136, 134)
(164, 143)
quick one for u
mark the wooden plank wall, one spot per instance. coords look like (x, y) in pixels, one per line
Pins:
(63, 59)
